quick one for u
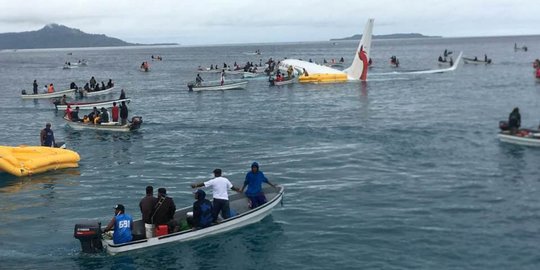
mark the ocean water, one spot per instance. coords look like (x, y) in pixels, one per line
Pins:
(402, 172)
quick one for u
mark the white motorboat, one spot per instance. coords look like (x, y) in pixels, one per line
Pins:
(98, 93)
(93, 241)
(521, 137)
(213, 86)
(475, 61)
(68, 92)
(91, 105)
(135, 124)
(250, 75)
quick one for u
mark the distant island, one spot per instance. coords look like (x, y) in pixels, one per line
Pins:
(391, 36)
(60, 36)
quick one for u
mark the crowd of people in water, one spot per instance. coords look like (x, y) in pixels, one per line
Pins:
(158, 213)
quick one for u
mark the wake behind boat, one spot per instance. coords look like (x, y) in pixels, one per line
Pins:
(93, 241)
(135, 124)
(91, 105)
(213, 86)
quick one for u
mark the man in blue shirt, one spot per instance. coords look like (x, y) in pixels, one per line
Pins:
(254, 180)
(122, 223)
(47, 136)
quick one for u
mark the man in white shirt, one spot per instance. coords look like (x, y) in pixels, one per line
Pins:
(220, 186)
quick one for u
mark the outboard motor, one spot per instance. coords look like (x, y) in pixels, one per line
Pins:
(190, 86)
(136, 122)
(503, 125)
(90, 236)
(23, 92)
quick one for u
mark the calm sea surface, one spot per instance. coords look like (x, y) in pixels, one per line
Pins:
(404, 172)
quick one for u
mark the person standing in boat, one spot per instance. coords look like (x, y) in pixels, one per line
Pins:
(67, 112)
(164, 211)
(123, 113)
(514, 120)
(92, 82)
(51, 88)
(198, 80)
(254, 180)
(147, 209)
(47, 136)
(75, 115)
(122, 224)
(202, 210)
(220, 185)
(35, 86)
(222, 81)
(115, 112)
(122, 94)
(104, 116)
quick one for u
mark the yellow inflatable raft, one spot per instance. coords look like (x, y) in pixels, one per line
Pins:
(323, 78)
(28, 160)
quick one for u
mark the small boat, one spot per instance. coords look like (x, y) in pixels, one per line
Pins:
(135, 124)
(69, 66)
(29, 160)
(68, 92)
(98, 93)
(521, 137)
(93, 241)
(91, 105)
(213, 86)
(522, 48)
(475, 61)
(250, 75)
(273, 82)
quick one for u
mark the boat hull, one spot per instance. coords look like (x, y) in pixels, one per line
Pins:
(111, 126)
(69, 92)
(240, 220)
(91, 105)
(99, 93)
(520, 140)
(227, 86)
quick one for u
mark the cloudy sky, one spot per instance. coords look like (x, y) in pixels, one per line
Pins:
(253, 21)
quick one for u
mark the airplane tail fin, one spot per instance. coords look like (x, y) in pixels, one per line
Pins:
(359, 67)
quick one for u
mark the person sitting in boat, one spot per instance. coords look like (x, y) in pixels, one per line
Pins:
(341, 60)
(85, 119)
(198, 80)
(96, 88)
(324, 61)
(103, 86)
(73, 85)
(122, 224)
(45, 89)
(50, 89)
(253, 181)
(110, 84)
(93, 82)
(104, 116)
(164, 211)
(93, 114)
(47, 136)
(475, 58)
(451, 61)
(290, 71)
(441, 59)
(202, 211)
(86, 87)
(304, 71)
(67, 112)
(75, 115)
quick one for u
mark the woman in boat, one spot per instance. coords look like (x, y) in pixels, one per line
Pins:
(67, 112)
(514, 120)
(122, 224)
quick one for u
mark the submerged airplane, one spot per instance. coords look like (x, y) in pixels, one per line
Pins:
(314, 73)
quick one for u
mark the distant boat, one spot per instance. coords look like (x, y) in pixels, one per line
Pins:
(476, 61)
(218, 86)
(135, 124)
(67, 92)
(91, 105)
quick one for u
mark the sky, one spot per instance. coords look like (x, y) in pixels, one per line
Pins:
(249, 21)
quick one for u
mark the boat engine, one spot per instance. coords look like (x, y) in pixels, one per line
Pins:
(90, 236)
(190, 86)
(503, 125)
